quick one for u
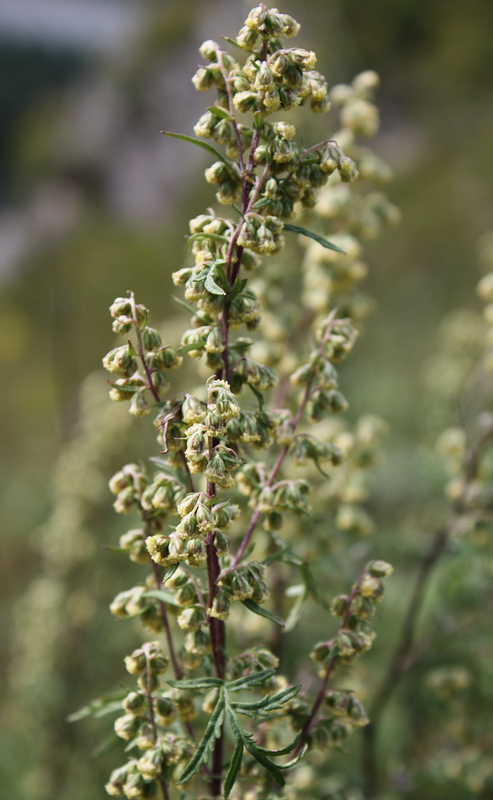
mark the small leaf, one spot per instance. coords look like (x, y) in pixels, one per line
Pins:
(164, 597)
(169, 573)
(128, 389)
(234, 767)
(235, 44)
(286, 556)
(188, 307)
(204, 145)
(219, 112)
(311, 235)
(187, 348)
(262, 612)
(247, 681)
(211, 285)
(98, 705)
(204, 747)
(258, 395)
(215, 237)
(312, 587)
(131, 349)
(294, 615)
(197, 683)
(108, 744)
(238, 209)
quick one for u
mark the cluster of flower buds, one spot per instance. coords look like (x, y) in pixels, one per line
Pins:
(155, 358)
(246, 582)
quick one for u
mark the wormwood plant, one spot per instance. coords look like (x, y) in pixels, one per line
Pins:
(220, 528)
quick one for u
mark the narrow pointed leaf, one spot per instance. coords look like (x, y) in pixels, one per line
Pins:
(294, 615)
(219, 112)
(268, 765)
(283, 752)
(214, 237)
(312, 587)
(204, 145)
(204, 747)
(249, 681)
(262, 612)
(164, 597)
(312, 235)
(234, 768)
(286, 556)
(188, 307)
(187, 348)
(197, 683)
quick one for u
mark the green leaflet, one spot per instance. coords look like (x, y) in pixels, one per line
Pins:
(204, 145)
(262, 612)
(312, 587)
(285, 555)
(234, 768)
(249, 681)
(186, 348)
(164, 597)
(311, 235)
(197, 683)
(204, 747)
(258, 395)
(102, 705)
(263, 707)
(188, 307)
(295, 613)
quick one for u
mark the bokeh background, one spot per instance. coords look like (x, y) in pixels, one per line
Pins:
(94, 201)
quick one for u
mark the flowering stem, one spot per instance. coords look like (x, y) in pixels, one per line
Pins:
(330, 666)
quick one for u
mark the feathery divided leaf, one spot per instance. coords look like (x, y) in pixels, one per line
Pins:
(204, 747)
(250, 681)
(312, 235)
(263, 707)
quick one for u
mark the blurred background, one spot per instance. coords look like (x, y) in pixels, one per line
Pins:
(94, 201)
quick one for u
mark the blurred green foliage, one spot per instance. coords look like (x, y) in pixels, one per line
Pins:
(434, 60)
